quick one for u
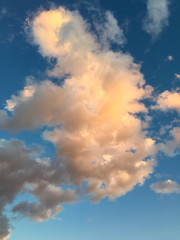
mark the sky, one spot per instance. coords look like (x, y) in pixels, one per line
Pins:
(89, 120)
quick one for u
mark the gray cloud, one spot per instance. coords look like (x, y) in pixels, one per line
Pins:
(36, 211)
(4, 227)
(157, 16)
(109, 31)
(166, 187)
(20, 168)
(3, 12)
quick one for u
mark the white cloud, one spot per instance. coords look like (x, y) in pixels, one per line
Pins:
(168, 100)
(157, 17)
(177, 75)
(166, 187)
(109, 31)
(170, 58)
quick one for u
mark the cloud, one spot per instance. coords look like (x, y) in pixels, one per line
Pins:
(109, 31)
(168, 100)
(177, 75)
(19, 166)
(49, 196)
(3, 12)
(93, 107)
(171, 146)
(170, 58)
(36, 211)
(166, 187)
(4, 229)
(157, 17)
(102, 147)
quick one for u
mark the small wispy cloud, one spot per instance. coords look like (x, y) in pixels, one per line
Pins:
(166, 187)
(157, 17)
(3, 12)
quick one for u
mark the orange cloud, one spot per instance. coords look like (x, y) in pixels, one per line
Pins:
(100, 141)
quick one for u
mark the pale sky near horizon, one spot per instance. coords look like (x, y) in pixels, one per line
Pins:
(89, 120)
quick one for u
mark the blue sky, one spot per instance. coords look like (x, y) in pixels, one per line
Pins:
(89, 120)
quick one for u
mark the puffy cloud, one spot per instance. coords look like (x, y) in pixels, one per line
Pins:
(166, 187)
(168, 100)
(19, 168)
(102, 147)
(157, 16)
(60, 32)
(16, 168)
(50, 197)
(41, 102)
(108, 163)
(95, 107)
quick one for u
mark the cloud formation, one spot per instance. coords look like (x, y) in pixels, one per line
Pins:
(4, 229)
(157, 17)
(102, 147)
(170, 58)
(177, 75)
(20, 167)
(3, 12)
(169, 100)
(166, 187)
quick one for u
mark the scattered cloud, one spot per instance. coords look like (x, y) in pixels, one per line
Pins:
(3, 12)
(170, 58)
(157, 17)
(166, 187)
(177, 75)
(168, 100)
(109, 31)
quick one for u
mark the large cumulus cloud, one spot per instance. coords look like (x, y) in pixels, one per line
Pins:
(99, 138)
